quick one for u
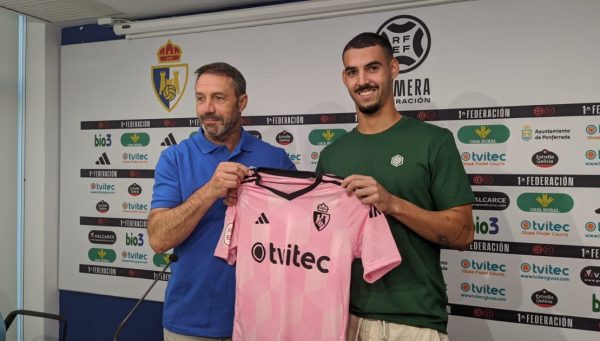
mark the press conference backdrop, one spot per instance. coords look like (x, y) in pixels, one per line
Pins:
(516, 82)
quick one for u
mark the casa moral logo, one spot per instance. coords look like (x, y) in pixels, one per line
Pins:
(170, 77)
(483, 134)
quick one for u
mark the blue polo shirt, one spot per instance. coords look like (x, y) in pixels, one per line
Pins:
(199, 299)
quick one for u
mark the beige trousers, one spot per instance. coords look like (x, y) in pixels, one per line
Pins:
(361, 329)
(170, 336)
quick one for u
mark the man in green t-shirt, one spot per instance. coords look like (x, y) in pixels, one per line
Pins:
(412, 172)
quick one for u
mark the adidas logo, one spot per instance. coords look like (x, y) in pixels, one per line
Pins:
(169, 141)
(262, 219)
(103, 160)
(374, 212)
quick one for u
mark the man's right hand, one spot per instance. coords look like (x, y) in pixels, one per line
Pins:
(227, 176)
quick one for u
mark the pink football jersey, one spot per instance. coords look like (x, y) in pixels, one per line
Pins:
(294, 236)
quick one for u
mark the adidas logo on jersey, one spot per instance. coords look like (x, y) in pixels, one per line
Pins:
(169, 141)
(262, 219)
(374, 212)
(103, 160)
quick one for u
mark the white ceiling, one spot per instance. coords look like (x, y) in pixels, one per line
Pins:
(79, 12)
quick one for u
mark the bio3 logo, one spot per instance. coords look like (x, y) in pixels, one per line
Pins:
(132, 240)
(487, 227)
(102, 141)
(290, 256)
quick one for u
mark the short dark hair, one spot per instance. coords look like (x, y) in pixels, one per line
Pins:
(227, 70)
(368, 39)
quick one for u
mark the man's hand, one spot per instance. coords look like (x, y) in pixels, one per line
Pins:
(368, 191)
(226, 178)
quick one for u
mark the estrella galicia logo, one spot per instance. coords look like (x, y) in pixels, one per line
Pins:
(590, 275)
(102, 237)
(544, 158)
(492, 201)
(168, 75)
(135, 139)
(134, 189)
(321, 217)
(102, 255)
(410, 39)
(483, 134)
(323, 137)
(255, 133)
(544, 298)
(284, 138)
(545, 202)
(102, 141)
(102, 206)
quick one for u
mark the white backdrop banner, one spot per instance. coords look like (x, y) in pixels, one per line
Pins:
(516, 82)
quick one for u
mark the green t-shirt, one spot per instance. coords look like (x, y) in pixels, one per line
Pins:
(418, 162)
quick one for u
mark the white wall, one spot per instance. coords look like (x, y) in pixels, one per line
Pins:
(42, 180)
(8, 154)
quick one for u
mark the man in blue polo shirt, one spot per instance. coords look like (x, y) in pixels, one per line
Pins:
(187, 211)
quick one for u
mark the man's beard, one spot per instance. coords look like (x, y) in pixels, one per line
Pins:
(219, 132)
(370, 108)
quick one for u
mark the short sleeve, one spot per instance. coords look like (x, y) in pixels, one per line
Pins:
(450, 185)
(167, 189)
(228, 242)
(378, 249)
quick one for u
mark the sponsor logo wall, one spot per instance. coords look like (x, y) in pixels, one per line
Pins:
(533, 168)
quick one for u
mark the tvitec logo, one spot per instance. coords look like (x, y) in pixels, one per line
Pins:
(137, 158)
(547, 272)
(134, 257)
(484, 292)
(593, 157)
(489, 226)
(592, 229)
(544, 228)
(102, 188)
(593, 132)
(485, 159)
(295, 158)
(486, 268)
(135, 207)
(545, 202)
(483, 134)
(290, 256)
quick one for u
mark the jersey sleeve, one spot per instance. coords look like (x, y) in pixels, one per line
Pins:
(227, 245)
(378, 249)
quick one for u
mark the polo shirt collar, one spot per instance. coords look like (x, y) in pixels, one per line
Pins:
(207, 146)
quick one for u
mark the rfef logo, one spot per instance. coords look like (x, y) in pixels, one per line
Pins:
(544, 298)
(483, 134)
(135, 139)
(545, 202)
(410, 40)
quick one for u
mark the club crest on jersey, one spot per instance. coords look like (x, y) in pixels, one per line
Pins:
(321, 217)
(169, 79)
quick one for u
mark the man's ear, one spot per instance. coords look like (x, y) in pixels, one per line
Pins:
(242, 102)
